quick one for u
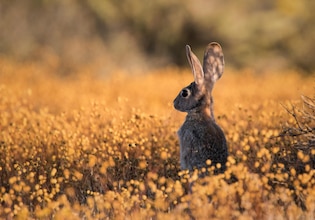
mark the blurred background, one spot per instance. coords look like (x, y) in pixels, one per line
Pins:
(140, 35)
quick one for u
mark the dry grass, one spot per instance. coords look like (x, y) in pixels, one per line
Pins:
(89, 148)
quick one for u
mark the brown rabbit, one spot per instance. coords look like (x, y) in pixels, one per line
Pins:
(200, 138)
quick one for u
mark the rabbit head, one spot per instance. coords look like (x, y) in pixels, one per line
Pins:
(197, 96)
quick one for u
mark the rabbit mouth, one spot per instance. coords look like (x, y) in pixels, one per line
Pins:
(177, 106)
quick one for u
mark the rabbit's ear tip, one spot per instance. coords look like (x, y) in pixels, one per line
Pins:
(214, 44)
(214, 47)
(188, 52)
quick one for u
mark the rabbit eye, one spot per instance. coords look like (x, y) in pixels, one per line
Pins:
(184, 93)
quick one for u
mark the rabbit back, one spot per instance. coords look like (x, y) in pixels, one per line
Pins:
(202, 140)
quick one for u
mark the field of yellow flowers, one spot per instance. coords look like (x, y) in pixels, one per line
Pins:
(85, 146)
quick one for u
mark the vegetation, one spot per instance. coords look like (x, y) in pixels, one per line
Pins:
(264, 35)
(86, 147)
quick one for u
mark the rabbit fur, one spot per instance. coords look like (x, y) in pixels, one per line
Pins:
(200, 138)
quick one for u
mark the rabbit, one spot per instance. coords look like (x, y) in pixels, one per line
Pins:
(200, 138)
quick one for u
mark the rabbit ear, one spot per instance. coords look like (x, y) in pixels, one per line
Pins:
(195, 66)
(213, 62)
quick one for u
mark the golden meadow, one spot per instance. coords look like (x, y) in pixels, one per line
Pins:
(84, 146)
